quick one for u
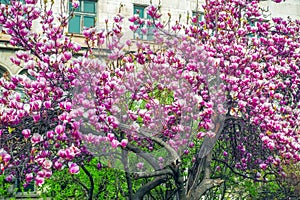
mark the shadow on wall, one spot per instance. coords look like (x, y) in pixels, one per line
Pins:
(4, 72)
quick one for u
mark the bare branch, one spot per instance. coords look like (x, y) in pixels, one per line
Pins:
(152, 174)
(175, 157)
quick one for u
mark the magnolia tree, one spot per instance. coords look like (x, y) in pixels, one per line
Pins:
(156, 110)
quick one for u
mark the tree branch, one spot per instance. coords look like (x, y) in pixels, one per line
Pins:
(175, 157)
(127, 175)
(91, 190)
(149, 186)
(162, 172)
(147, 156)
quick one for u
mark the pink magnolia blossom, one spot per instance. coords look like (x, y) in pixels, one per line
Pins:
(47, 104)
(58, 165)
(59, 129)
(140, 165)
(73, 168)
(47, 164)
(9, 178)
(263, 166)
(115, 143)
(29, 177)
(39, 181)
(4, 156)
(36, 138)
(124, 143)
(50, 134)
(26, 133)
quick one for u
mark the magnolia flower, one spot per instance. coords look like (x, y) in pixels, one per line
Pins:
(41, 173)
(59, 129)
(69, 154)
(4, 156)
(99, 166)
(47, 164)
(26, 133)
(48, 173)
(115, 143)
(73, 168)
(36, 117)
(39, 181)
(50, 134)
(9, 178)
(47, 104)
(140, 165)
(124, 143)
(263, 166)
(58, 165)
(68, 54)
(36, 138)
(26, 107)
(28, 177)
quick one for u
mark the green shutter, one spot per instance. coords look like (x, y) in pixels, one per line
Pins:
(88, 21)
(150, 33)
(8, 1)
(138, 34)
(199, 15)
(5, 1)
(89, 6)
(140, 10)
(252, 24)
(74, 24)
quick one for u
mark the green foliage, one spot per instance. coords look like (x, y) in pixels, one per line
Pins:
(269, 186)
(164, 96)
(4, 187)
(109, 183)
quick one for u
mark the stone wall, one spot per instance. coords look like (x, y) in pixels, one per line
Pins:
(5, 53)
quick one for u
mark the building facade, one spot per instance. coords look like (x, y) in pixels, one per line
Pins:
(94, 12)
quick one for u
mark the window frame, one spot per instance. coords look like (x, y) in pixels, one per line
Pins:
(81, 13)
(138, 33)
(7, 2)
(200, 16)
(253, 23)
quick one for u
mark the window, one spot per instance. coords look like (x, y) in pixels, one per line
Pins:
(199, 15)
(5, 1)
(253, 24)
(84, 16)
(141, 11)
(8, 1)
